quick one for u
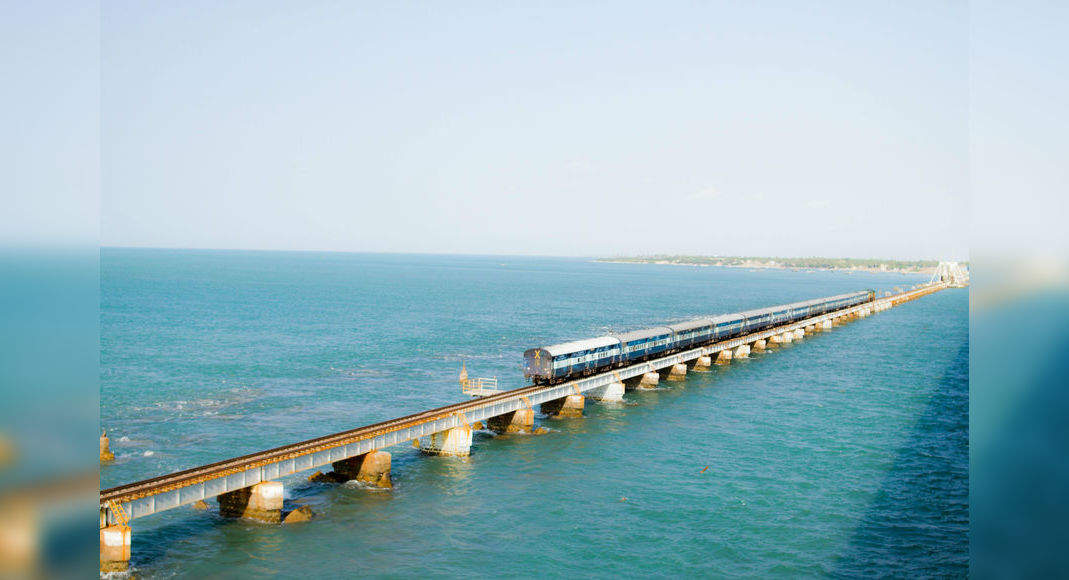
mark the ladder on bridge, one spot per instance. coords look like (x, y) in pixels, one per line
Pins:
(118, 513)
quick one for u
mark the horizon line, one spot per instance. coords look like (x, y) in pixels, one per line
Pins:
(583, 256)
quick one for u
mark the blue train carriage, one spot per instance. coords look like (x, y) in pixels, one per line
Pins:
(691, 332)
(727, 325)
(641, 344)
(754, 320)
(580, 357)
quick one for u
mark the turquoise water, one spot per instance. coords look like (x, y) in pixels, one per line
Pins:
(844, 454)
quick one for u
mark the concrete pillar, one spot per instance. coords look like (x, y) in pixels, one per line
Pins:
(741, 351)
(105, 449)
(677, 372)
(758, 345)
(649, 381)
(787, 337)
(114, 549)
(372, 468)
(723, 357)
(610, 393)
(702, 363)
(798, 334)
(455, 442)
(811, 329)
(520, 421)
(564, 407)
(262, 502)
(826, 325)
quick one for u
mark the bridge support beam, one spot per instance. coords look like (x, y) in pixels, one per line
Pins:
(702, 363)
(521, 421)
(677, 372)
(261, 502)
(758, 345)
(565, 407)
(372, 468)
(723, 357)
(741, 351)
(114, 549)
(610, 393)
(455, 442)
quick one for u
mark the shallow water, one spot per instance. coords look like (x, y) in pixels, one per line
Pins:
(844, 454)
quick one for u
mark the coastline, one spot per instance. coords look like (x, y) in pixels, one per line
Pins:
(767, 266)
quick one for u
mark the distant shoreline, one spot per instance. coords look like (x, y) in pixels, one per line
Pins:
(822, 264)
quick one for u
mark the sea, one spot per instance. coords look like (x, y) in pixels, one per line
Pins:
(844, 454)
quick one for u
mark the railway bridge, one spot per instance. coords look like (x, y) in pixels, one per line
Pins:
(249, 486)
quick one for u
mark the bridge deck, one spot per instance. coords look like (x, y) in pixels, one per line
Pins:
(157, 494)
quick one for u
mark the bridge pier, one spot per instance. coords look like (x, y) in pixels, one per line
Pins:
(114, 549)
(455, 442)
(261, 502)
(798, 334)
(648, 381)
(372, 468)
(826, 325)
(677, 372)
(741, 351)
(610, 393)
(702, 363)
(759, 345)
(106, 456)
(520, 421)
(724, 357)
(565, 407)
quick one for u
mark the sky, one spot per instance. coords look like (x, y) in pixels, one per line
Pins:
(590, 129)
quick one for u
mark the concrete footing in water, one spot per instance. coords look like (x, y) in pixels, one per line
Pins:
(261, 502)
(564, 407)
(372, 468)
(114, 549)
(610, 393)
(702, 363)
(724, 357)
(106, 455)
(648, 381)
(758, 345)
(521, 421)
(455, 442)
(677, 372)
(741, 351)
(826, 325)
(798, 333)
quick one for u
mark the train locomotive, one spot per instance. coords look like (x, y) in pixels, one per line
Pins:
(570, 360)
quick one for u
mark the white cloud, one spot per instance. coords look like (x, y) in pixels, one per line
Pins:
(705, 193)
(818, 203)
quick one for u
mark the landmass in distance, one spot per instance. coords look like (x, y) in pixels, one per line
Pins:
(849, 264)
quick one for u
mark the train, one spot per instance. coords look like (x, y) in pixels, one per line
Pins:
(570, 360)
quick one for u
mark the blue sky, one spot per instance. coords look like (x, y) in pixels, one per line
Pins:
(838, 129)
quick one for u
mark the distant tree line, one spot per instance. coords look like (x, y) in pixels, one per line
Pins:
(811, 262)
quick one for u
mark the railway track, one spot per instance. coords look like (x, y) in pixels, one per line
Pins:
(164, 483)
